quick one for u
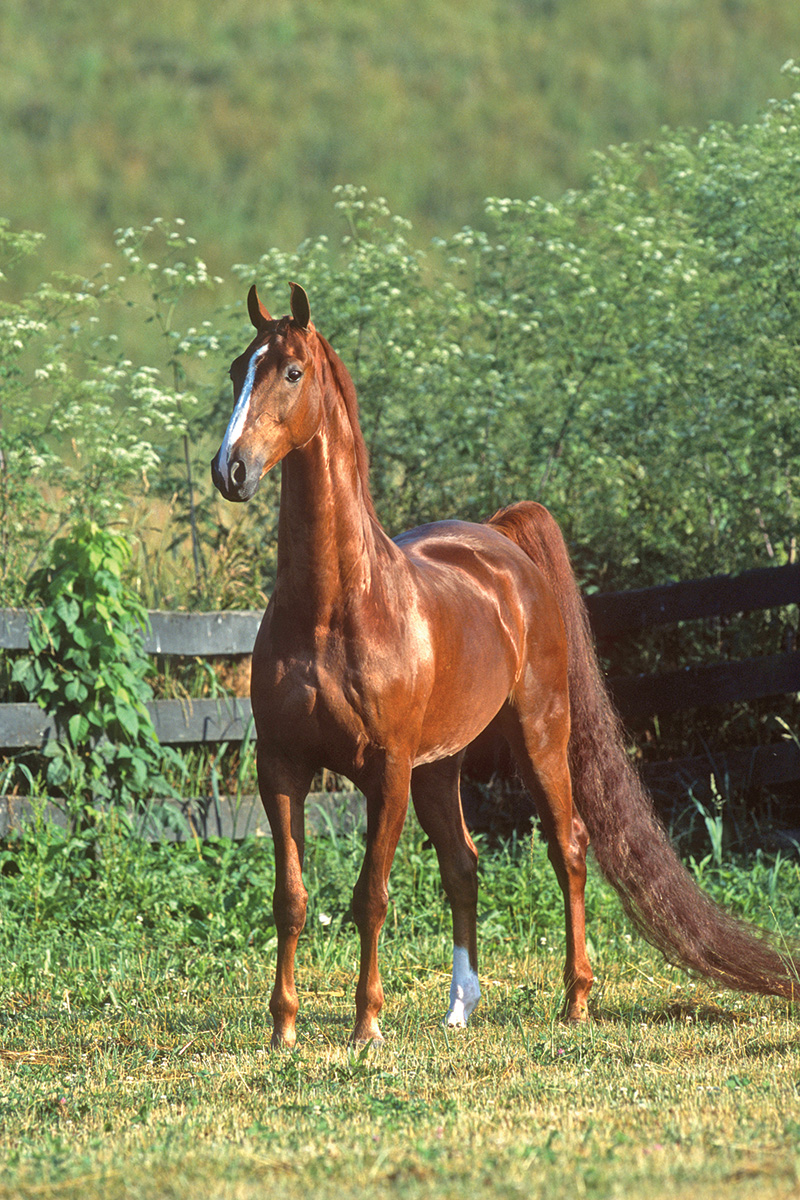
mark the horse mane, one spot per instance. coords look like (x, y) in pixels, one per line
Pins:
(343, 382)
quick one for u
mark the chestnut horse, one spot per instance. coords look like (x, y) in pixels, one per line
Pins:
(383, 659)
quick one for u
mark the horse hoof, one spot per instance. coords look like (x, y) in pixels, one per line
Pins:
(362, 1041)
(454, 1022)
(283, 1041)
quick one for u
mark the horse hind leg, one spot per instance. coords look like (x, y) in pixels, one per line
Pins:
(437, 801)
(543, 765)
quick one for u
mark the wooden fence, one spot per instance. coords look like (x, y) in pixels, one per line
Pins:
(25, 727)
(616, 614)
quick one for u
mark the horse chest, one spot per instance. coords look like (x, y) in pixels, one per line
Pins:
(307, 704)
(341, 693)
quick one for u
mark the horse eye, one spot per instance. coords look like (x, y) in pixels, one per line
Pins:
(293, 374)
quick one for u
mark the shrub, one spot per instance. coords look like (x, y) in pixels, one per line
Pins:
(88, 668)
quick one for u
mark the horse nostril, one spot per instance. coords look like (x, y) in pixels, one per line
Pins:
(238, 473)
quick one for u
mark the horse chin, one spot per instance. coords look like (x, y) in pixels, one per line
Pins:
(248, 491)
(241, 492)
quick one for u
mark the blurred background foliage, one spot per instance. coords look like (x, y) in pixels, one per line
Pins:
(241, 117)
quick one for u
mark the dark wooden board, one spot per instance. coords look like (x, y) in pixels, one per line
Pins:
(614, 613)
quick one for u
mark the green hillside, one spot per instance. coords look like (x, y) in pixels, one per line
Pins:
(241, 117)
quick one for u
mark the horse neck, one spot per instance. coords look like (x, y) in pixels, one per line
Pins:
(328, 532)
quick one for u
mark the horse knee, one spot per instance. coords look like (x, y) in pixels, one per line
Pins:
(370, 905)
(289, 908)
(580, 834)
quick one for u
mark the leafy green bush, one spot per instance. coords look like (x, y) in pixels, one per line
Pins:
(88, 668)
(85, 431)
(627, 356)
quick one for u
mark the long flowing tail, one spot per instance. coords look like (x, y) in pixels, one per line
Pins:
(629, 842)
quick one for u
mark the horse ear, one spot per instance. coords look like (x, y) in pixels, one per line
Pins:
(301, 310)
(258, 314)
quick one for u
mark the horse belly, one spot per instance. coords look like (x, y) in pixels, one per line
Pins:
(473, 681)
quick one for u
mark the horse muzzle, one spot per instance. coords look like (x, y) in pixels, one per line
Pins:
(236, 479)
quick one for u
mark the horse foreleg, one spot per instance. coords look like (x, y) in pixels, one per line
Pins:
(283, 796)
(437, 800)
(387, 805)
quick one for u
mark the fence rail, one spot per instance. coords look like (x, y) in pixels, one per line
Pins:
(190, 635)
(614, 614)
(25, 726)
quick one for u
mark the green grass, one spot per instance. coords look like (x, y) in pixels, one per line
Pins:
(134, 1034)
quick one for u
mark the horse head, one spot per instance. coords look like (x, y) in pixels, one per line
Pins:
(277, 398)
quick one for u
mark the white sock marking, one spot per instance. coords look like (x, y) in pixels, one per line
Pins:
(465, 990)
(239, 415)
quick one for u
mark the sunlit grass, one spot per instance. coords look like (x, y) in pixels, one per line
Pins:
(134, 1059)
(163, 1086)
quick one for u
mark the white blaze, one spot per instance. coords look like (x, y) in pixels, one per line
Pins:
(239, 415)
(465, 990)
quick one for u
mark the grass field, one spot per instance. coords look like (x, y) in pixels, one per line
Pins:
(133, 1057)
